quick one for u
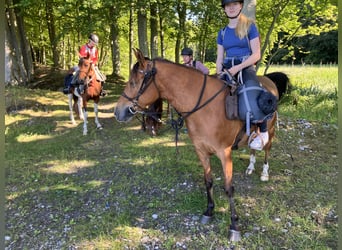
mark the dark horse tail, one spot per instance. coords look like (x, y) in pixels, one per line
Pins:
(282, 82)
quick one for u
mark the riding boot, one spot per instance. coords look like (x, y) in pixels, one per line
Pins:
(103, 92)
(66, 90)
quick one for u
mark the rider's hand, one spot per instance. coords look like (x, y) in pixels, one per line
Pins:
(234, 70)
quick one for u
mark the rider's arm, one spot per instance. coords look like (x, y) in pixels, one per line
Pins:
(219, 58)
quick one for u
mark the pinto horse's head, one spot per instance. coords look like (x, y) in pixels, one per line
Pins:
(140, 90)
(86, 71)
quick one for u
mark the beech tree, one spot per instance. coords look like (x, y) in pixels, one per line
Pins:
(50, 32)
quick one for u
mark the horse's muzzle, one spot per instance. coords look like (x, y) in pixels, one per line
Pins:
(124, 113)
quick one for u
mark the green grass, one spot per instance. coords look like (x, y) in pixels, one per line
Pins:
(314, 94)
(121, 189)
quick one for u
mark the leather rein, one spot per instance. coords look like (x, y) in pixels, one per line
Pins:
(149, 77)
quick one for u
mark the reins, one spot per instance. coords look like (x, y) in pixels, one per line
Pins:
(149, 77)
(86, 77)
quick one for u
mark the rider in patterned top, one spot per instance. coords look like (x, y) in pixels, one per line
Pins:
(238, 50)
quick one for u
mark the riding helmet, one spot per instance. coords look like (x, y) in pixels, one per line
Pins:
(187, 52)
(224, 2)
(94, 38)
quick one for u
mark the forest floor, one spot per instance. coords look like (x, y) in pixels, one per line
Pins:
(118, 188)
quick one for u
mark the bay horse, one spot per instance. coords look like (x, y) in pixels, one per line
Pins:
(86, 88)
(203, 109)
(151, 118)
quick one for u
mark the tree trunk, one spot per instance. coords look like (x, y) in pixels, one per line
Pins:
(249, 8)
(161, 28)
(50, 18)
(131, 35)
(154, 30)
(181, 10)
(15, 68)
(114, 33)
(24, 43)
(142, 30)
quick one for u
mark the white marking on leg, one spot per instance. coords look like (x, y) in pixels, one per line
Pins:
(98, 124)
(85, 121)
(264, 175)
(252, 161)
(70, 109)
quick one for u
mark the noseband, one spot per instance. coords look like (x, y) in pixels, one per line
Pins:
(86, 83)
(148, 79)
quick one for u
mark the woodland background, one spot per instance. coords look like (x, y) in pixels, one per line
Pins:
(50, 32)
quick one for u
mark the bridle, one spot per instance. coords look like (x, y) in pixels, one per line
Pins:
(86, 72)
(148, 79)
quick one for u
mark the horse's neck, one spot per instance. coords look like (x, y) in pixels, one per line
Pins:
(180, 86)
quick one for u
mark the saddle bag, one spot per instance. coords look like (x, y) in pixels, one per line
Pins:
(255, 104)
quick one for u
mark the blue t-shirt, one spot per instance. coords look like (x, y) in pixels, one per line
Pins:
(233, 45)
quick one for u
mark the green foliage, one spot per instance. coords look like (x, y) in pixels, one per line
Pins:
(74, 21)
(295, 19)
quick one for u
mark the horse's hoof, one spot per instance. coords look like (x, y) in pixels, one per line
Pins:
(264, 177)
(100, 128)
(249, 171)
(206, 219)
(234, 235)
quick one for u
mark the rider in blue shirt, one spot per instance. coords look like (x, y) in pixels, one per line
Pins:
(238, 50)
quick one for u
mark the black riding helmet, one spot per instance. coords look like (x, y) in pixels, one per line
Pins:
(186, 52)
(224, 2)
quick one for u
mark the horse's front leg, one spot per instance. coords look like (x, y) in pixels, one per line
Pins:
(96, 111)
(227, 165)
(79, 104)
(208, 180)
(252, 161)
(70, 98)
(85, 120)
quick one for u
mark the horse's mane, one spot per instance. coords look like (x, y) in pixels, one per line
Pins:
(163, 60)
(159, 59)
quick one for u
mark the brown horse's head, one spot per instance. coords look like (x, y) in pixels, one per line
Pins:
(140, 90)
(86, 71)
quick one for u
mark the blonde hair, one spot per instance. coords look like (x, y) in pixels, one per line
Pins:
(243, 26)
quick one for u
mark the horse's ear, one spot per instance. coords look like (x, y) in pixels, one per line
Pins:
(140, 56)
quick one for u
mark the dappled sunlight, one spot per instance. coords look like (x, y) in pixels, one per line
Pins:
(14, 195)
(66, 187)
(29, 112)
(95, 183)
(66, 124)
(60, 167)
(33, 137)
(165, 142)
(9, 120)
(122, 237)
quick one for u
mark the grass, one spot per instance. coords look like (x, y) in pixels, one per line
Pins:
(314, 94)
(121, 189)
